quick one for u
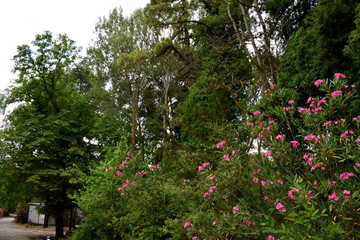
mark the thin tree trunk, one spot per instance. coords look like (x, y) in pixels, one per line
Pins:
(59, 229)
(46, 221)
(71, 219)
(134, 106)
(165, 118)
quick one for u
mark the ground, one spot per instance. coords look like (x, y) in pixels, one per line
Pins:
(12, 231)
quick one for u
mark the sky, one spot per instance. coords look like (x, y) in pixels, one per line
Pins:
(21, 20)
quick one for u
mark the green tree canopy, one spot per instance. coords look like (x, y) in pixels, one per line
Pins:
(46, 134)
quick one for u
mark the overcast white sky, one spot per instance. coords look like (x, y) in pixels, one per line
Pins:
(21, 20)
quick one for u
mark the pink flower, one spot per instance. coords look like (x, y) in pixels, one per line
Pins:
(268, 153)
(295, 144)
(227, 157)
(270, 237)
(255, 180)
(288, 109)
(256, 172)
(318, 82)
(327, 123)
(280, 136)
(332, 183)
(257, 113)
(280, 207)
(358, 141)
(339, 75)
(266, 197)
(214, 223)
(357, 164)
(220, 144)
(212, 189)
(202, 167)
(333, 196)
(212, 177)
(261, 135)
(235, 209)
(263, 183)
(187, 224)
(206, 194)
(307, 110)
(280, 181)
(336, 93)
(309, 137)
(346, 192)
(248, 223)
(310, 100)
(309, 194)
(291, 193)
(152, 167)
(291, 102)
(346, 175)
(250, 124)
(193, 238)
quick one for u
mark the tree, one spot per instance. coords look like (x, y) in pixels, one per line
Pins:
(118, 61)
(45, 135)
(317, 47)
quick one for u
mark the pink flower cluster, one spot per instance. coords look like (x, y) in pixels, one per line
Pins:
(270, 237)
(256, 113)
(291, 193)
(336, 93)
(280, 207)
(339, 75)
(319, 82)
(308, 158)
(202, 167)
(212, 177)
(141, 173)
(220, 144)
(316, 139)
(346, 175)
(152, 167)
(356, 119)
(317, 165)
(187, 224)
(295, 144)
(280, 137)
(346, 133)
(248, 223)
(235, 209)
(123, 187)
(211, 189)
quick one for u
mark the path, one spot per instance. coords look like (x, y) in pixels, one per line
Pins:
(11, 231)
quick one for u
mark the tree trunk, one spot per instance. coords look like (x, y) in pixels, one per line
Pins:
(165, 119)
(71, 219)
(46, 221)
(59, 232)
(134, 106)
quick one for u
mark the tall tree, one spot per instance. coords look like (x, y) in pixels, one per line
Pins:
(118, 62)
(261, 27)
(46, 133)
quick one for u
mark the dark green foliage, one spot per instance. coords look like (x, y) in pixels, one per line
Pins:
(317, 48)
(46, 133)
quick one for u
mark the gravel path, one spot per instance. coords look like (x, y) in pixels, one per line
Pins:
(11, 231)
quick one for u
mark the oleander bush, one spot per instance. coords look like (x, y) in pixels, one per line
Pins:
(294, 176)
